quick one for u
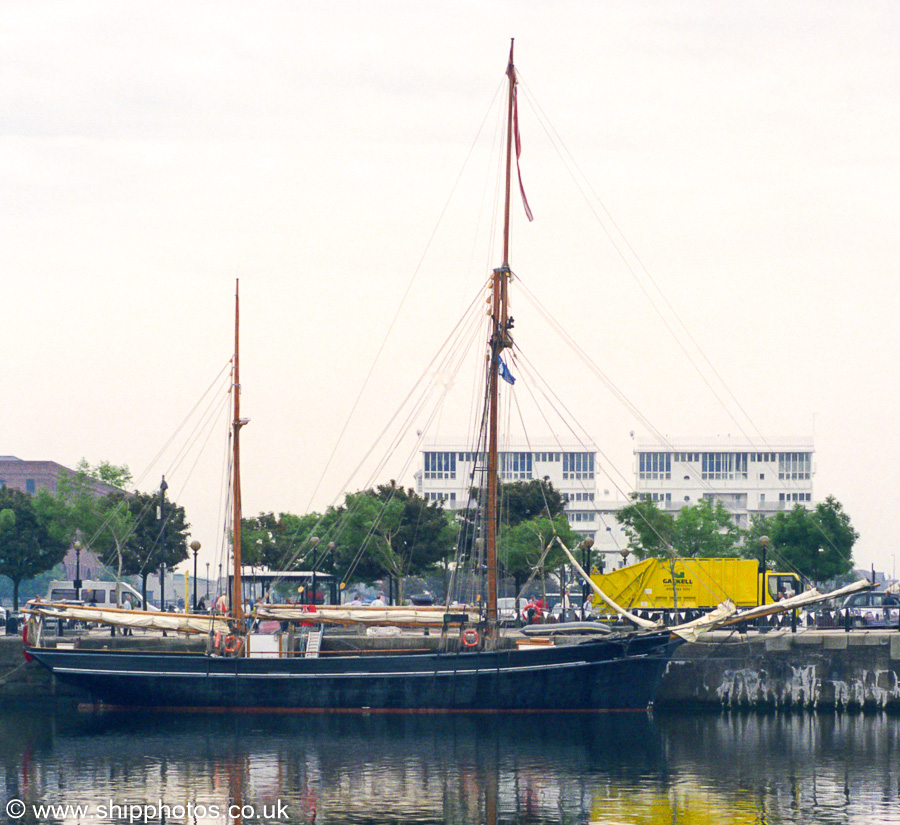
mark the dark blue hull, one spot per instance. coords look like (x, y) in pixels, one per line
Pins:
(609, 674)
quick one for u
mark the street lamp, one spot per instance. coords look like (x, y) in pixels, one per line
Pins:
(314, 541)
(586, 546)
(624, 552)
(77, 581)
(160, 516)
(763, 545)
(331, 548)
(195, 546)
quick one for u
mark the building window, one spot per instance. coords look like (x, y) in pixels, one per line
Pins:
(795, 496)
(655, 466)
(546, 457)
(656, 497)
(440, 465)
(724, 466)
(578, 466)
(473, 457)
(29, 485)
(794, 466)
(515, 466)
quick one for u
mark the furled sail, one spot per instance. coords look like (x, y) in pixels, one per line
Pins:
(148, 620)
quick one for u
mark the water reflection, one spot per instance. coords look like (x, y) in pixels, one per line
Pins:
(564, 769)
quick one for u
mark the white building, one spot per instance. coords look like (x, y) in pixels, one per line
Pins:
(747, 476)
(448, 472)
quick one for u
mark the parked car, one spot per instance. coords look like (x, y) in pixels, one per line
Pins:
(507, 615)
(876, 608)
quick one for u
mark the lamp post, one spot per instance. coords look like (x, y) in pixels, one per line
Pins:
(195, 546)
(77, 582)
(624, 552)
(586, 546)
(763, 544)
(331, 547)
(314, 541)
(160, 517)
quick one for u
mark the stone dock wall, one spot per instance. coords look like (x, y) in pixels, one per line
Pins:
(824, 670)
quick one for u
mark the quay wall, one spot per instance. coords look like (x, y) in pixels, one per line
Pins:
(823, 670)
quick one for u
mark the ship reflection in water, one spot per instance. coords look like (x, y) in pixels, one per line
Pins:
(616, 768)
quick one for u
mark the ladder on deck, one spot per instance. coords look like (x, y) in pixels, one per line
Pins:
(314, 642)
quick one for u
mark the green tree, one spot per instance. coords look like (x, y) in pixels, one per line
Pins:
(157, 534)
(279, 543)
(103, 522)
(703, 530)
(27, 545)
(650, 531)
(398, 533)
(817, 543)
(522, 547)
(524, 500)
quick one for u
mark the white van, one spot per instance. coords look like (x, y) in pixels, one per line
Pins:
(101, 594)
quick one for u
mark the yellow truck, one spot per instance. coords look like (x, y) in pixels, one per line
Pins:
(692, 584)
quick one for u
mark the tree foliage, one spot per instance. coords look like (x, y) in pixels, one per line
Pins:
(522, 547)
(124, 530)
(28, 546)
(280, 543)
(157, 534)
(391, 531)
(704, 530)
(817, 543)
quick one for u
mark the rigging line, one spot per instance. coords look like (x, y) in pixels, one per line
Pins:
(455, 351)
(777, 557)
(393, 418)
(554, 137)
(663, 440)
(565, 416)
(205, 420)
(582, 353)
(184, 421)
(451, 363)
(199, 455)
(438, 360)
(565, 419)
(406, 292)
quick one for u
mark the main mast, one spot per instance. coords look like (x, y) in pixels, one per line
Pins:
(500, 340)
(237, 423)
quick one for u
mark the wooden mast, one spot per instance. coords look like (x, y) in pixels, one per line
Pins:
(237, 602)
(500, 339)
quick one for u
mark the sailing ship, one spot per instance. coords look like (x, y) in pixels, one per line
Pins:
(473, 668)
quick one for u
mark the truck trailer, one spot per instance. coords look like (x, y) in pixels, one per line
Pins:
(692, 584)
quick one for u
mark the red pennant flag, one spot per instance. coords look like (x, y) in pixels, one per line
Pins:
(511, 71)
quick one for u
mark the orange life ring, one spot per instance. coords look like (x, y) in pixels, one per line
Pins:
(232, 644)
(470, 637)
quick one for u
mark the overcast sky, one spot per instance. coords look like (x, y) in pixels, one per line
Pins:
(328, 155)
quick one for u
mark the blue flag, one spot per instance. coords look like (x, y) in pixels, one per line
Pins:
(505, 374)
